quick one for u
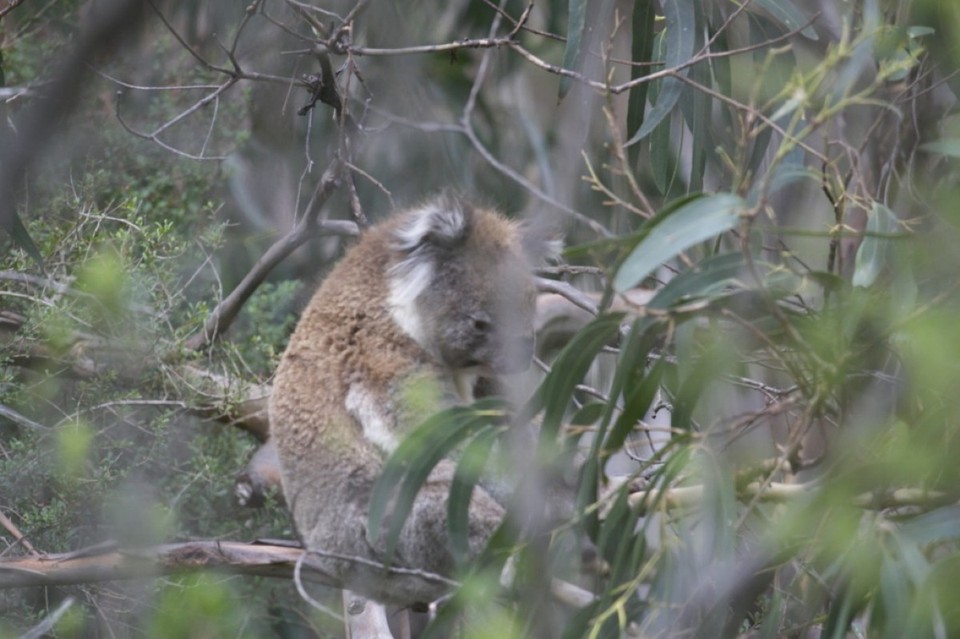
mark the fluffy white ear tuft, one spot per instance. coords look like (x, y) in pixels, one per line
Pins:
(439, 224)
(444, 221)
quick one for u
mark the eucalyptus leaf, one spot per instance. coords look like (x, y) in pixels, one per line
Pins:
(697, 220)
(21, 237)
(470, 468)
(944, 146)
(576, 24)
(786, 12)
(712, 275)
(680, 37)
(641, 49)
(875, 253)
(411, 463)
(568, 370)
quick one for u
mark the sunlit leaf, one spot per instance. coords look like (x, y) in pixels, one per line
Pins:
(73, 448)
(695, 221)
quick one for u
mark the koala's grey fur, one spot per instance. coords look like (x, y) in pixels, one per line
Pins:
(424, 304)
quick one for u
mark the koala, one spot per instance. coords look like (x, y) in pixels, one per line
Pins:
(427, 303)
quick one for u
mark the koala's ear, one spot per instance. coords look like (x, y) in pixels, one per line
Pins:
(442, 222)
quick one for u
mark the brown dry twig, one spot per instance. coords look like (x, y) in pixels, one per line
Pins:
(9, 6)
(306, 228)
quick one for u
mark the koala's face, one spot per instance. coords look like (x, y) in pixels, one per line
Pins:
(478, 312)
(464, 289)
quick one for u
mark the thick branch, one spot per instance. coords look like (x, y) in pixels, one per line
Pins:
(279, 559)
(262, 560)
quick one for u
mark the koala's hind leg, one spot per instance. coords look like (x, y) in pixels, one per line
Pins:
(426, 531)
(424, 541)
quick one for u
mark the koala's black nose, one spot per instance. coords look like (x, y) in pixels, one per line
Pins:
(516, 355)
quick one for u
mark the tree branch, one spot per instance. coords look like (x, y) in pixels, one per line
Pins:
(307, 228)
(261, 560)
(686, 496)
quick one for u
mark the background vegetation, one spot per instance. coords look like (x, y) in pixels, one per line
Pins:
(748, 357)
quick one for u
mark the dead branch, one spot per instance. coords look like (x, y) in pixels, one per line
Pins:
(269, 558)
(9, 6)
(13, 530)
(255, 559)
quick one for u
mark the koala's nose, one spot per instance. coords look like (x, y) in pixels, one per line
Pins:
(516, 355)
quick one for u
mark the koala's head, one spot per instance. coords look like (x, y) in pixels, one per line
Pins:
(461, 286)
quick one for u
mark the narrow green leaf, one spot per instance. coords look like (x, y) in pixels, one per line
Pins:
(588, 488)
(409, 466)
(641, 50)
(790, 16)
(839, 615)
(470, 468)
(568, 370)
(588, 414)
(705, 279)
(20, 236)
(622, 545)
(630, 366)
(696, 110)
(772, 618)
(695, 221)
(664, 166)
(944, 146)
(707, 368)
(576, 23)
(785, 175)
(680, 37)
(935, 526)
(875, 252)
(636, 404)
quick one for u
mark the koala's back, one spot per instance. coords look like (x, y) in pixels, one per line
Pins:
(340, 403)
(345, 336)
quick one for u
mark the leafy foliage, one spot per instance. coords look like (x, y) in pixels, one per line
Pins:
(754, 436)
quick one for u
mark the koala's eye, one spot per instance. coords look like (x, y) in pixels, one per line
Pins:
(480, 324)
